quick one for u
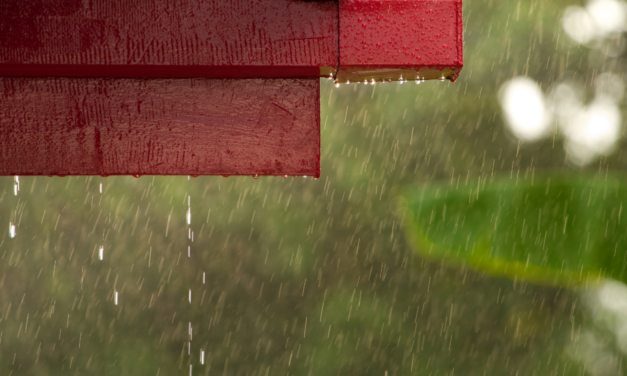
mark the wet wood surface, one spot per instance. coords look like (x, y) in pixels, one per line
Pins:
(79, 126)
(166, 38)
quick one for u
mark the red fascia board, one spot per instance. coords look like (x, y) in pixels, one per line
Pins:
(96, 126)
(157, 71)
(165, 38)
(387, 39)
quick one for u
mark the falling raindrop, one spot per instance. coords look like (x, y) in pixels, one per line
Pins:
(16, 185)
(190, 295)
(202, 356)
(101, 252)
(189, 216)
(11, 230)
(116, 298)
(203, 278)
(100, 187)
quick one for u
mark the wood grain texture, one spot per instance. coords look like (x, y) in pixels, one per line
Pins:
(167, 38)
(387, 39)
(136, 122)
(81, 126)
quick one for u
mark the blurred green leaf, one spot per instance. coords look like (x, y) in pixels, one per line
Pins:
(562, 230)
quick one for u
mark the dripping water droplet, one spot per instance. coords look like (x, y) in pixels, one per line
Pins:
(16, 185)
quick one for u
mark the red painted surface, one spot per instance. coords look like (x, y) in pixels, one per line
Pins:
(379, 39)
(267, 124)
(383, 39)
(167, 38)
(78, 126)
(159, 71)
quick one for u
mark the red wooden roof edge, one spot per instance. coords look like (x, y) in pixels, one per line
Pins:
(366, 39)
(110, 88)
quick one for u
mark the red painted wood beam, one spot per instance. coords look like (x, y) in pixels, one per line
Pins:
(70, 126)
(400, 40)
(168, 38)
(105, 87)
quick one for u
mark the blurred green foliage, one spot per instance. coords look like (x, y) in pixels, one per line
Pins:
(554, 229)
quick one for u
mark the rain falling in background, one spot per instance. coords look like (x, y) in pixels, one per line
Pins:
(293, 276)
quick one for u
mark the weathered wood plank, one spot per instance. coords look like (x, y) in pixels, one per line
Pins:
(168, 38)
(390, 39)
(81, 126)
